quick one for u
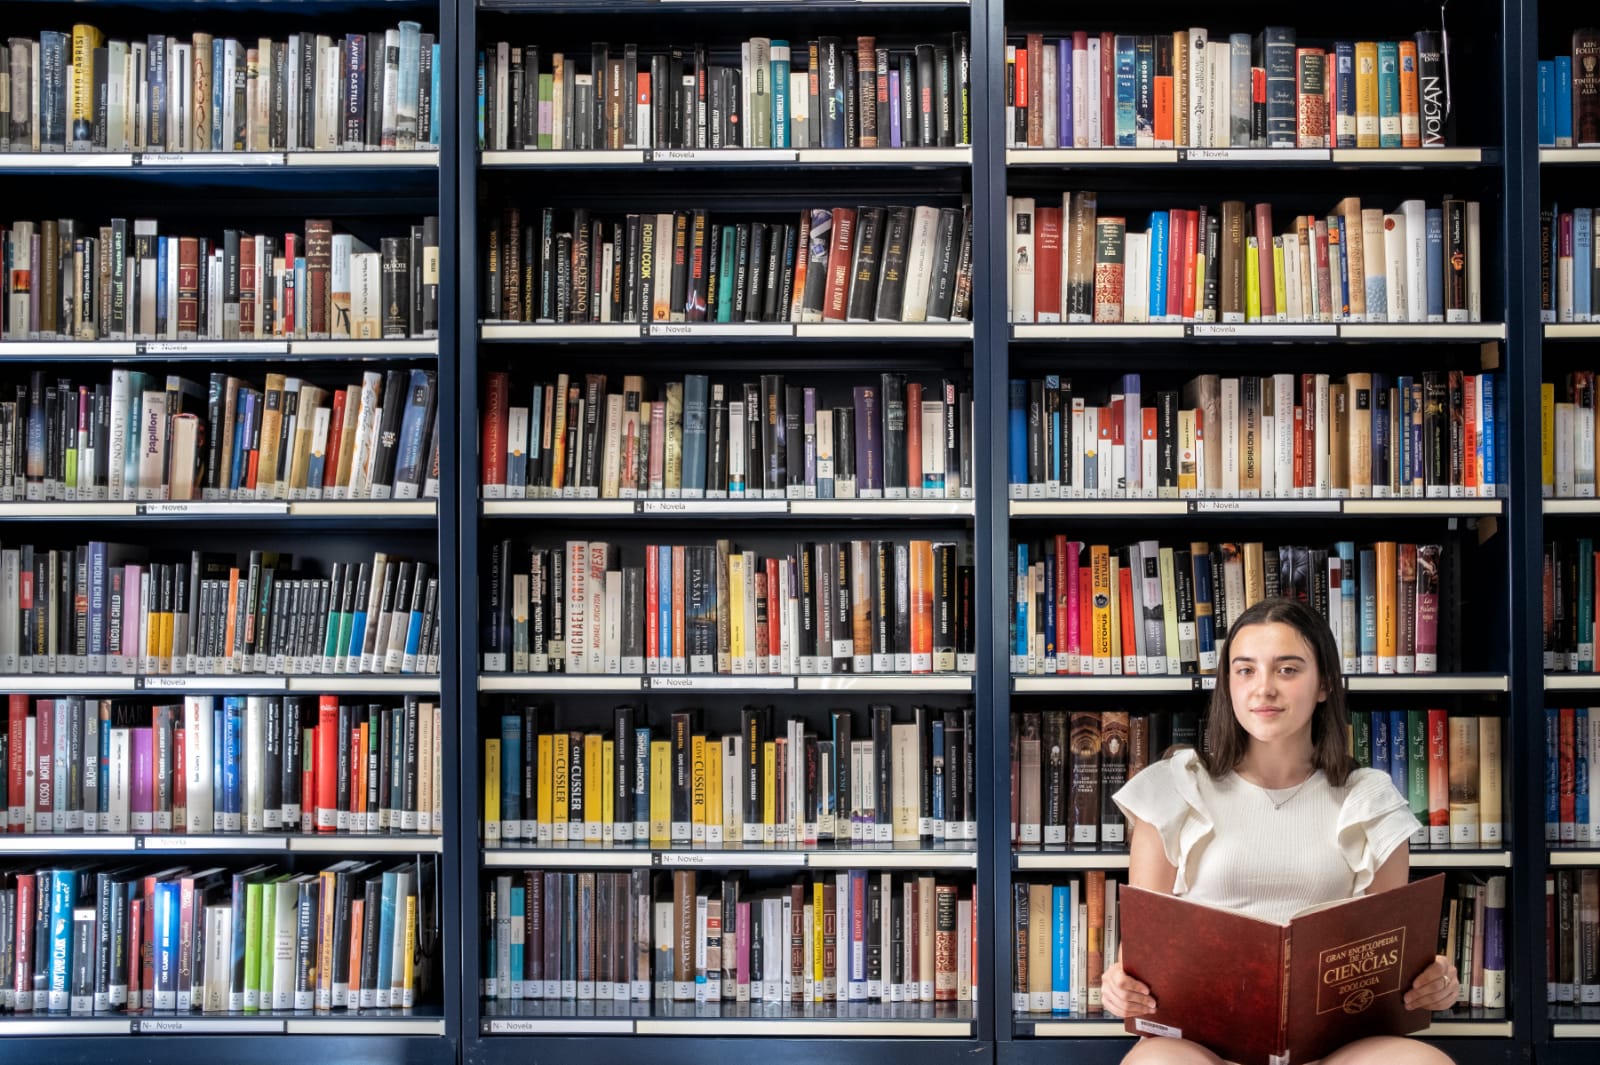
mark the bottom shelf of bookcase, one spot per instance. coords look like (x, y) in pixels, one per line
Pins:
(775, 1048)
(734, 1020)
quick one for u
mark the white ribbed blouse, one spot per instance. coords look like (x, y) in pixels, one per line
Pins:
(1233, 849)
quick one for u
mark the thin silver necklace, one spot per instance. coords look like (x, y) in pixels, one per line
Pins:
(1278, 804)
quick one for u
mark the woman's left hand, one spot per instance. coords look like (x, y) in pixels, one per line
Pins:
(1436, 988)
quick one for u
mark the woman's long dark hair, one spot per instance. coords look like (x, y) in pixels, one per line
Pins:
(1226, 740)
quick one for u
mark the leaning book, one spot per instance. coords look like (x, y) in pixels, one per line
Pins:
(1260, 993)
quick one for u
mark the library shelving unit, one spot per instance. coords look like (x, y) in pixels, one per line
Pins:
(767, 183)
(1488, 541)
(258, 191)
(1556, 178)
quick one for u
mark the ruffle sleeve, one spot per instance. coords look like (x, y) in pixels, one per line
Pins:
(1166, 796)
(1374, 820)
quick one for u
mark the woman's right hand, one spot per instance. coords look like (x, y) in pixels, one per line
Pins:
(1122, 995)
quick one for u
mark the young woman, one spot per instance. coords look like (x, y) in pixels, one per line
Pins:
(1271, 816)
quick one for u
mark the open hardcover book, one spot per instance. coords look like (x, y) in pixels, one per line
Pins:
(1260, 993)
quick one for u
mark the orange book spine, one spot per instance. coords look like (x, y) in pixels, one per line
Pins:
(921, 606)
(1438, 777)
(1163, 116)
(1410, 97)
(1469, 434)
(1190, 245)
(1388, 577)
(1095, 887)
(1566, 772)
(1085, 620)
(914, 439)
(358, 910)
(230, 643)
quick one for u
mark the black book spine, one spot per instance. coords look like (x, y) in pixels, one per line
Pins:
(947, 250)
(716, 451)
(754, 296)
(893, 398)
(868, 259)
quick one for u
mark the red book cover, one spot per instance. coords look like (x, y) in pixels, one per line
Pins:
(1269, 304)
(493, 454)
(1566, 771)
(22, 943)
(1108, 91)
(839, 263)
(1066, 632)
(1177, 239)
(247, 289)
(44, 748)
(1126, 622)
(1085, 619)
(1288, 992)
(358, 778)
(319, 267)
(1469, 433)
(1307, 447)
(914, 437)
(188, 288)
(1438, 777)
(774, 647)
(330, 467)
(1047, 264)
(1020, 75)
(652, 608)
(1301, 480)
(286, 312)
(1190, 248)
(17, 768)
(326, 761)
(680, 571)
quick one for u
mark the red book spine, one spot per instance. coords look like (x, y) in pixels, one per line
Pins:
(147, 952)
(1190, 248)
(358, 780)
(188, 288)
(135, 958)
(1108, 90)
(319, 266)
(652, 609)
(839, 263)
(330, 467)
(180, 781)
(1177, 230)
(497, 410)
(679, 602)
(44, 765)
(775, 599)
(914, 438)
(1269, 305)
(1438, 776)
(1066, 595)
(326, 763)
(17, 768)
(1566, 771)
(22, 944)
(1308, 432)
(1469, 433)
(286, 312)
(1047, 264)
(1130, 657)
(247, 288)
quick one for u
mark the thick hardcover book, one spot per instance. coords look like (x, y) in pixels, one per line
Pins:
(1291, 992)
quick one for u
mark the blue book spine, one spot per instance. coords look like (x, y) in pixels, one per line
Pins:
(1047, 618)
(1053, 455)
(518, 918)
(1344, 73)
(696, 389)
(1369, 612)
(1060, 948)
(104, 767)
(1344, 266)
(1388, 94)
(1380, 430)
(729, 262)
(1547, 103)
(1017, 437)
(162, 310)
(166, 945)
(1159, 237)
(1402, 443)
(1552, 776)
(1064, 92)
(1126, 111)
(219, 752)
(386, 908)
(218, 78)
(1491, 472)
(665, 609)
(780, 94)
(1380, 741)
(358, 635)
(895, 133)
(433, 112)
(1582, 258)
(482, 68)
(937, 781)
(1563, 102)
(63, 896)
(1435, 255)
(1132, 433)
(232, 760)
(1204, 624)
(1502, 417)
(1399, 751)
(510, 769)
(1580, 778)
(1021, 643)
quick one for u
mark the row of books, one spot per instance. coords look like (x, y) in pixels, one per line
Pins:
(1150, 610)
(1197, 89)
(1230, 265)
(81, 92)
(1571, 922)
(68, 281)
(136, 438)
(1577, 271)
(854, 936)
(106, 608)
(1569, 98)
(848, 606)
(1065, 767)
(1567, 434)
(1571, 762)
(866, 264)
(221, 765)
(1066, 930)
(912, 777)
(88, 939)
(762, 93)
(1569, 605)
(1438, 434)
(762, 439)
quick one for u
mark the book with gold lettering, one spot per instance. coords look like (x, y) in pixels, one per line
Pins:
(1286, 993)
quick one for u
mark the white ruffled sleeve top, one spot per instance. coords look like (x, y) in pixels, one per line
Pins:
(1269, 853)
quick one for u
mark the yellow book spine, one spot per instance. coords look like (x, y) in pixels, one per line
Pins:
(736, 637)
(608, 784)
(1252, 281)
(594, 773)
(408, 985)
(697, 789)
(1489, 800)
(1388, 574)
(769, 796)
(715, 830)
(85, 39)
(560, 812)
(818, 908)
(1116, 615)
(660, 793)
(1280, 293)
(491, 790)
(1547, 440)
(546, 784)
(1367, 135)
(1100, 575)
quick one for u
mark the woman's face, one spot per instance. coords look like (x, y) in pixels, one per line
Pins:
(1274, 684)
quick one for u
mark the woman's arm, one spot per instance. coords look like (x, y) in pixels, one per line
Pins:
(1394, 872)
(1436, 987)
(1148, 868)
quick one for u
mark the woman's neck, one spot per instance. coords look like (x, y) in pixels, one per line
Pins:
(1274, 768)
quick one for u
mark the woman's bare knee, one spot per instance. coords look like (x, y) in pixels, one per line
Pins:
(1160, 1051)
(1387, 1050)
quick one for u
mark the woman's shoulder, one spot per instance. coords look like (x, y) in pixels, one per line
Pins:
(1369, 791)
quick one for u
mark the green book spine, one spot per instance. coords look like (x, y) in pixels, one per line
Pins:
(1417, 770)
(1361, 742)
(252, 946)
(263, 946)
